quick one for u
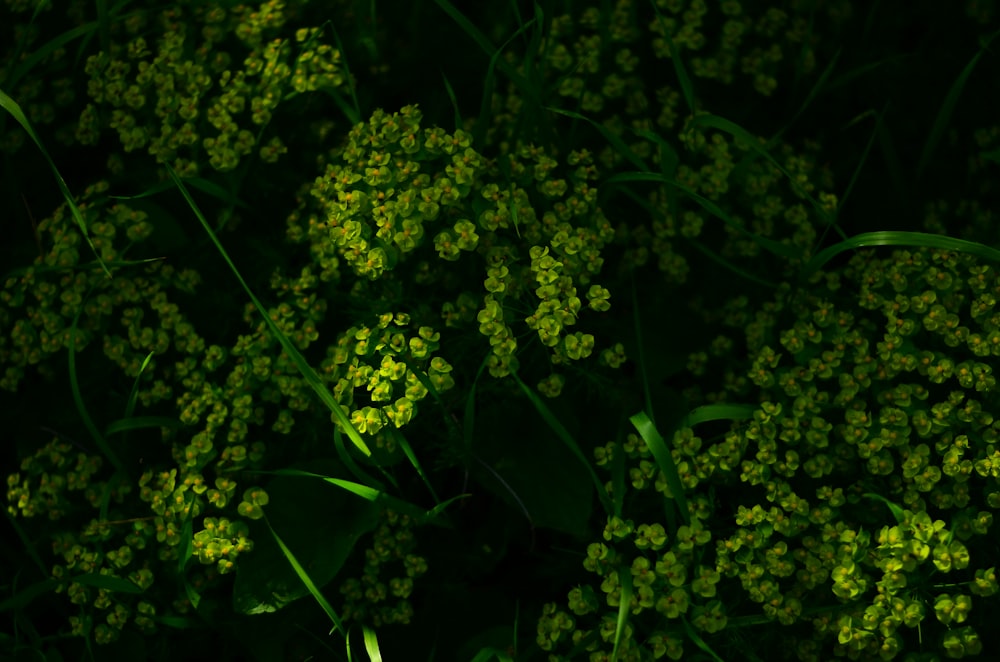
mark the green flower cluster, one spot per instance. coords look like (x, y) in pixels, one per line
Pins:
(396, 369)
(38, 304)
(400, 197)
(199, 82)
(45, 90)
(861, 490)
(597, 62)
(380, 596)
(157, 351)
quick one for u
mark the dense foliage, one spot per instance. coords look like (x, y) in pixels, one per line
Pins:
(535, 330)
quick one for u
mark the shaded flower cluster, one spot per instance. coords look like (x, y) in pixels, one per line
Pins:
(402, 199)
(861, 489)
(198, 83)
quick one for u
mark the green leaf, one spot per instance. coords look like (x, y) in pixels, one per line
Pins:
(625, 581)
(775, 247)
(11, 107)
(303, 366)
(567, 439)
(687, 88)
(693, 635)
(943, 118)
(320, 525)
(896, 511)
(900, 238)
(81, 407)
(371, 644)
(658, 447)
(25, 596)
(107, 582)
(707, 413)
(142, 423)
(307, 581)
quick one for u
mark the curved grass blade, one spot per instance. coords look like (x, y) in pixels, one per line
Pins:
(814, 92)
(717, 413)
(567, 439)
(15, 111)
(141, 423)
(775, 247)
(486, 103)
(26, 542)
(618, 479)
(81, 407)
(366, 492)
(107, 582)
(46, 50)
(352, 466)
(739, 271)
(487, 654)
(658, 447)
(134, 395)
(454, 101)
(25, 596)
(624, 606)
(414, 462)
(610, 136)
(896, 511)
(487, 46)
(864, 157)
(304, 368)
(738, 132)
(948, 106)
(469, 421)
(306, 580)
(696, 639)
(900, 238)
(353, 111)
(687, 89)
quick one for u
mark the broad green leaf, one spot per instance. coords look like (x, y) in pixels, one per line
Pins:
(319, 524)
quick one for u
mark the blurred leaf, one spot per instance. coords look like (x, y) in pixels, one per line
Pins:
(319, 523)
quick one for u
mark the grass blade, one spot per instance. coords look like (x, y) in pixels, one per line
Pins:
(624, 606)
(687, 89)
(107, 582)
(738, 132)
(693, 635)
(26, 596)
(723, 262)
(15, 111)
(414, 462)
(900, 238)
(304, 368)
(611, 137)
(708, 413)
(81, 407)
(948, 106)
(367, 493)
(658, 447)
(814, 92)
(307, 581)
(454, 101)
(864, 157)
(775, 247)
(896, 511)
(141, 423)
(567, 439)
(371, 644)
